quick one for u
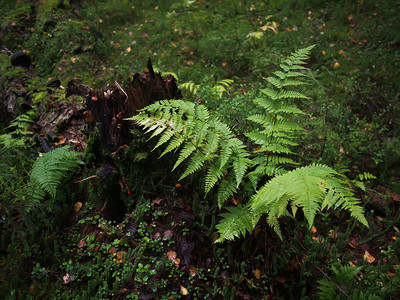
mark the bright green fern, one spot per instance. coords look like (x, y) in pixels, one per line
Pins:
(50, 170)
(206, 143)
(277, 128)
(203, 141)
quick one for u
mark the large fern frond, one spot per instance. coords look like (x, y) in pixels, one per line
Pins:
(203, 142)
(51, 169)
(310, 188)
(277, 130)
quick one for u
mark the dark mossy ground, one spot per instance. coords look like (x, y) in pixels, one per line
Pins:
(142, 234)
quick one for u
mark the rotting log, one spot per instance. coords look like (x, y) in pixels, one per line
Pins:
(108, 108)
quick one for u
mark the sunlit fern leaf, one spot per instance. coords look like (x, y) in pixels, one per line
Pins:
(187, 150)
(203, 141)
(52, 168)
(174, 143)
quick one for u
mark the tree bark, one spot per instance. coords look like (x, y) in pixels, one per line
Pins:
(108, 109)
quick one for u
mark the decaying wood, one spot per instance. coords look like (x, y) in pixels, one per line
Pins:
(108, 108)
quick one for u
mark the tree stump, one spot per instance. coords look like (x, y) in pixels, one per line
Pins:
(107, 109)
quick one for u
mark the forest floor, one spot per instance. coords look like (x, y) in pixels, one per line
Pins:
(158, 240)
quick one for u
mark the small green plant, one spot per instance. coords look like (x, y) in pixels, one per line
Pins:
(50, 170)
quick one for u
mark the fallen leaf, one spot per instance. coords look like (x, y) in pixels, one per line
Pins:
(368, 257)
(395, 197)
(112, 250)
(280, 279)
(353, 243)
(214, 237)
(390, 274)
(81, 244)
(120, 254)
(3, 263)
(184, 290)
(77, 206)
(172, 257)
(323, 52)
(60, 142)
(67, 279)
(157, 201)
(333, 234)
(313, 230)
(352, 264)
(192, 270)
(257, 273)
(167, 234)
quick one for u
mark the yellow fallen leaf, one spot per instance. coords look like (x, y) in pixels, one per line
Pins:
(352, 264)
(368, 257)
(77, 206)
(184, 290)
(333, 234)
(314, 230)
(323, 52)
(257, 273)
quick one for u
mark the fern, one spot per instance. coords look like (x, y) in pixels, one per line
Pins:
(203, 141)
(330, 286)
(277, 131)
(50, 170)
(311, 188)
(219, 89)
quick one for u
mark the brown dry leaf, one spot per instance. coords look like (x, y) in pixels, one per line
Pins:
(257, 273)
(31, 288)
(112, 250)
(395, 197)
(81, 244)
(77, 206)
(157, 201)
(192, 270)
(120, 254)
(184, 290)
(167, 234)
(390, 274)
(256, 231)
(172, 257)
(61, 141)
(67, 278)
(3, 263)
(280, 279)
(353, 243)
(214, 237)
(352, 264)
(368, 257)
